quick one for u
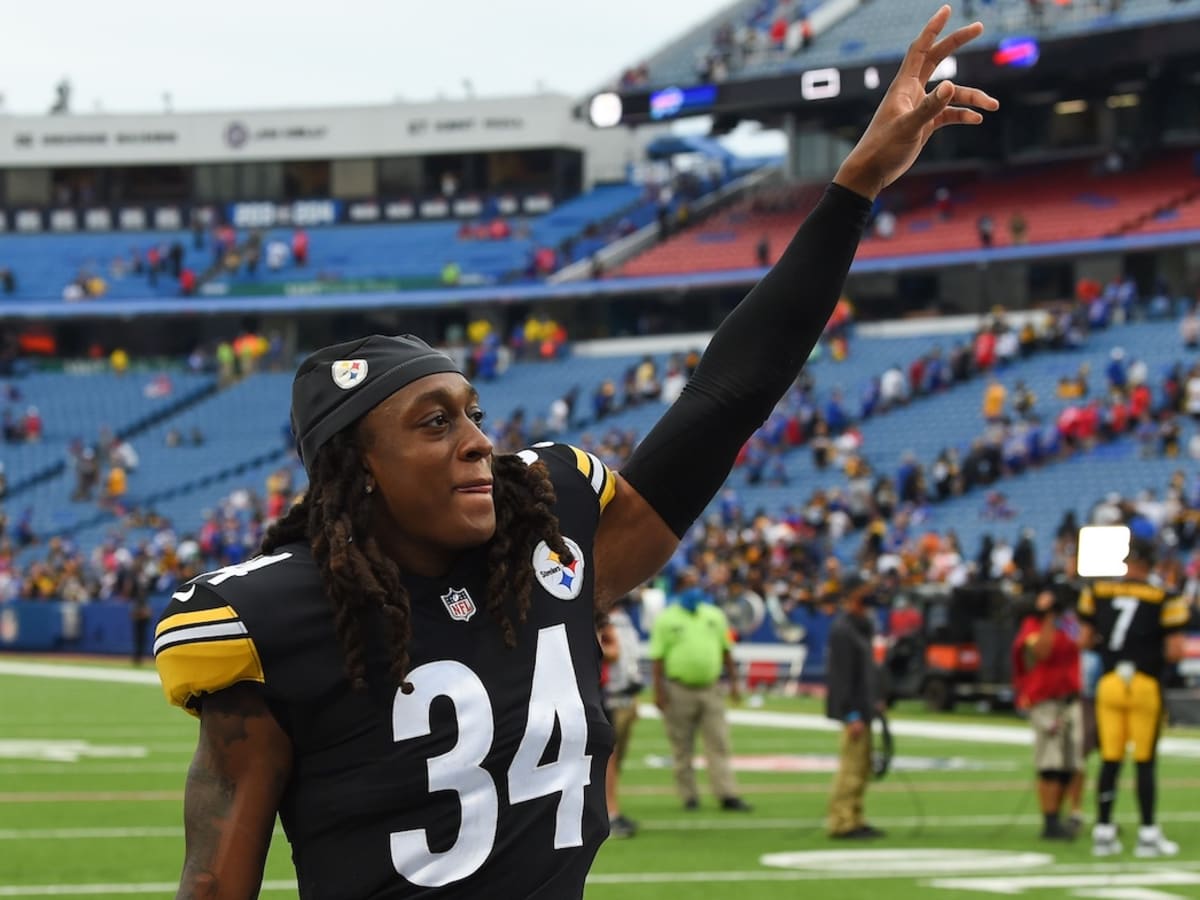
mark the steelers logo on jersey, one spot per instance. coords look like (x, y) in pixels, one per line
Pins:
(562, 581)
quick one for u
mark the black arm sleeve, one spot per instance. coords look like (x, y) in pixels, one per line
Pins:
(750, 363)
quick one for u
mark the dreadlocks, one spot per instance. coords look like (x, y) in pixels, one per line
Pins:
(335, 518)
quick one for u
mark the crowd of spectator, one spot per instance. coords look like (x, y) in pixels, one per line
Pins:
(145, 554)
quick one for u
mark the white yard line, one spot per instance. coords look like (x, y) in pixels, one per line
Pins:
(77, 673)
(970, 732)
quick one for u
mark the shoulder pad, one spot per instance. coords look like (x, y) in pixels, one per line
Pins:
(201, 645)
(587, 465)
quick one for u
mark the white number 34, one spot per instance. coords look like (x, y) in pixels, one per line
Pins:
(553, 698)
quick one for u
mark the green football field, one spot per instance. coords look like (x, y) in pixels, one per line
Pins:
(91, 778)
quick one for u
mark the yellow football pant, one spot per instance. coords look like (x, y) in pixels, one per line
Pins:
(1128, 712)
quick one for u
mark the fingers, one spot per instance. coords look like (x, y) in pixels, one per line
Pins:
(935, 101)
(969, 96)
(947, 93)
(914, 59)
(951, 43)
(956, 115)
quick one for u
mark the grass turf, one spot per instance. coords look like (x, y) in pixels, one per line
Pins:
(111, 815)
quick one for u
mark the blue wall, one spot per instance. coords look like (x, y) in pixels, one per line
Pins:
(100, 627)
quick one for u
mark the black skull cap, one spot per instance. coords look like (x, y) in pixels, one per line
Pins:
(338, 385)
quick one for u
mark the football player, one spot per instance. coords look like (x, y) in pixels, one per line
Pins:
(1137, 628)
(409, 675)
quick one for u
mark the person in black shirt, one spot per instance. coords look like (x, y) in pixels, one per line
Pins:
(409, 674)
(854, 698)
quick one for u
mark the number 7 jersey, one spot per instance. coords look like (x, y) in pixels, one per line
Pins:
(1131, 620)
(487, 780)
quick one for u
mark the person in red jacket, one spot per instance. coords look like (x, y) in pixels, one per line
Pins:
(1048, 682)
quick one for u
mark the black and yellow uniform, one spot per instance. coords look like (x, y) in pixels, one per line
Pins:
(1131, 620)
(487, 780)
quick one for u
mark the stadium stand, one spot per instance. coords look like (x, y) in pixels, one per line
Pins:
(771, 37)
(1062, 202)
(413, 253)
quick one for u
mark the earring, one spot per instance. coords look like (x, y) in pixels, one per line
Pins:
(370, 488)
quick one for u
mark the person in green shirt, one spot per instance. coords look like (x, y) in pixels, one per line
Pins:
(689, 648)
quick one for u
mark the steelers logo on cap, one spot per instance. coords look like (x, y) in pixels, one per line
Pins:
(349, 373)
(561, 581)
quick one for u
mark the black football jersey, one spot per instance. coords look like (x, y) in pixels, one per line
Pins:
(487, 780)
(1131, 619)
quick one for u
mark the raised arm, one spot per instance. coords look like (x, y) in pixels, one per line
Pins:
(242, 763)
(759, 349)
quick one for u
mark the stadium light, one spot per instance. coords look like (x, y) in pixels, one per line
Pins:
(605, 110)
(1122, 101)
(1070, 107)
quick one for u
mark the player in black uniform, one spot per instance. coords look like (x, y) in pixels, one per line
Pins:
(409, 675)
(1137, 628)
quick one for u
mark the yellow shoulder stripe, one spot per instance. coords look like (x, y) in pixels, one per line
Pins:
(199, 617)
(1147, 593)
(1087, 605)
(582, 463)
(595, 471)
(191, 669)
(1175, 613)
(610, 488)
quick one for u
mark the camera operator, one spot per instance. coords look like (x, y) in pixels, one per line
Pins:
(854, 697)
(1048, 683)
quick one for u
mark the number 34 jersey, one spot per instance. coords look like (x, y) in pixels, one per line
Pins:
(487, 780)
(1131, 620)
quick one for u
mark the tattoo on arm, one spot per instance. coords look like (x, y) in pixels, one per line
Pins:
(237, 776)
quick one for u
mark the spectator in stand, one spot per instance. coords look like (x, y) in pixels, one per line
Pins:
(1189, 327)
(1191, 393)
(31, 425)
(1024, 400)
(987, 230)
(1140, 400)
(943, 203)
(277, 255)
(994, 397)
(187, 282)
(762, 251)
(604, 400)
(300, 247)
(1018, 228)
(893, 388)
(885, 225)
(646, 377)
(984, 349)
(153, 264)
(175, 259)
(115, 485)
(673, 381)
(8, 281)
(1115, 370)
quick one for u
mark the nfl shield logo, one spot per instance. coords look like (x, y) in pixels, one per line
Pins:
(459, 604)
(349, 373)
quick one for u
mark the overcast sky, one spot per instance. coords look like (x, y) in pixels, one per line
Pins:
(229, 54)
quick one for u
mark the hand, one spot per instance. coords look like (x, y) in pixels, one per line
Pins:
(856, 729)
(907, 116)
